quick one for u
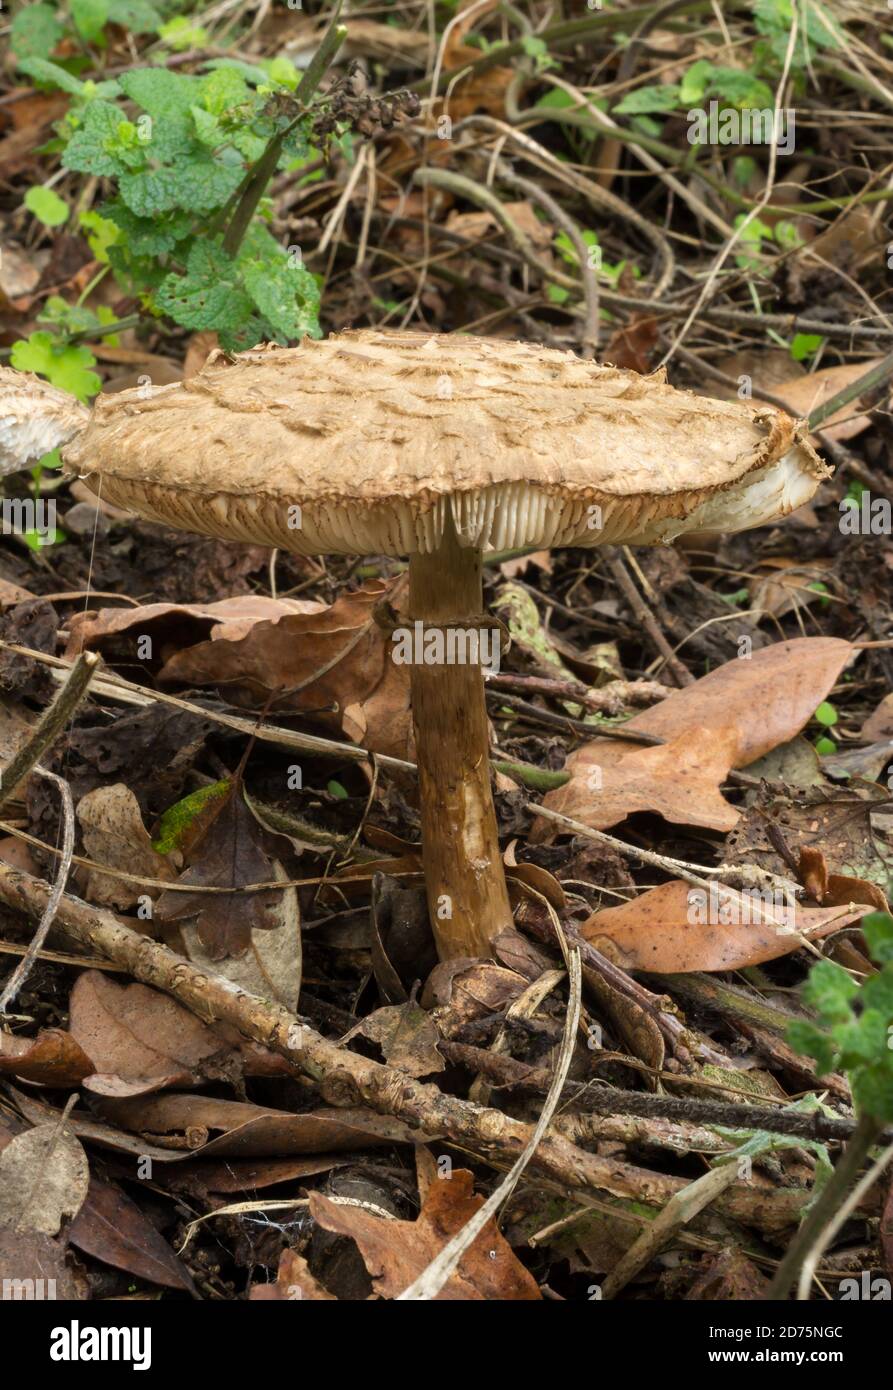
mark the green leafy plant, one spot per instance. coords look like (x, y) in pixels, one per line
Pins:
(853, 1032)
(47, 206)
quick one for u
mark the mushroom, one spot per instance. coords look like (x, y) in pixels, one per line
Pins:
(441, 448)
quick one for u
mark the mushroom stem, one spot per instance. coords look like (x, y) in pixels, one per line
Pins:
(464, 877)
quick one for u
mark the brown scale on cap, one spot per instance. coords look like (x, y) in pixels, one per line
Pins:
(440, 448)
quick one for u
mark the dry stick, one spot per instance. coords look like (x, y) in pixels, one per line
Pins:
(875, 377)
(431, 1280)
(677, 1213)
(611, 698)
(862, 1188)
(23, 969)
(347, 1078)
(646, 618)
(825, 1205)
(49, 726)
(608, 1101)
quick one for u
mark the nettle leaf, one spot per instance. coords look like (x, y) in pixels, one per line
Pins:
(740, 89)
(90, 18)
(63, 365)
(167, 96)
(829, 989)
(873, 1089)
(863, 1039)
(252, 74)
(101, 233)
(805, 1037)
(283, 72)
(96, 146)
(877, 992)
(198, 183)
(646, 100)
(35, 31)
(52, 75)
(286, 295)
(207, 127)
(209, 296)
(221, 90)
(149, 236)
(696, 82)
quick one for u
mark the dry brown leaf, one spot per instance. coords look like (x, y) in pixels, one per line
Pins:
(44, 1176)
(396, 1252)
(113, 834)
(141, 1040)
(782, 586)
(663, 931)
(242, 1130)
(112, 1228)
(293, 1281)
(836, 890)
(879, 725)
(806, 393)
(334, 659)
(53, 1058)
(172, 626)
(728, 719)
(407, 1036)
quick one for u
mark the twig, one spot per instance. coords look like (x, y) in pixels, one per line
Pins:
(677, 1213)
(646, 618)
(846, 1210)
(611, 1101)
(825, 1205)
(23, 969)
(49, 726)
(347, 1078)
(432, 1279)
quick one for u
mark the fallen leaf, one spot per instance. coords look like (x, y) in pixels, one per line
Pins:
(44, 1176)
(806, 393)
(631, 347)
(729, 1277)
(336, 660)
(407, 1036)
(53, 1058)
(727, 719)
(230, 854)
(836, 890)
(677, 928)
(172, 626)
(879, 725)
(32, 1261)
(141, 1040)
(111, 1228)
(114, 835)
(396, 1252)
(293, 1281)
(242, 1130)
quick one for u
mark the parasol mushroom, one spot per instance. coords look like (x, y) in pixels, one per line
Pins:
(441, 448)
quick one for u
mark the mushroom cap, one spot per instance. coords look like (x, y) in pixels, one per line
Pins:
(364, 442)
(34, 418)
